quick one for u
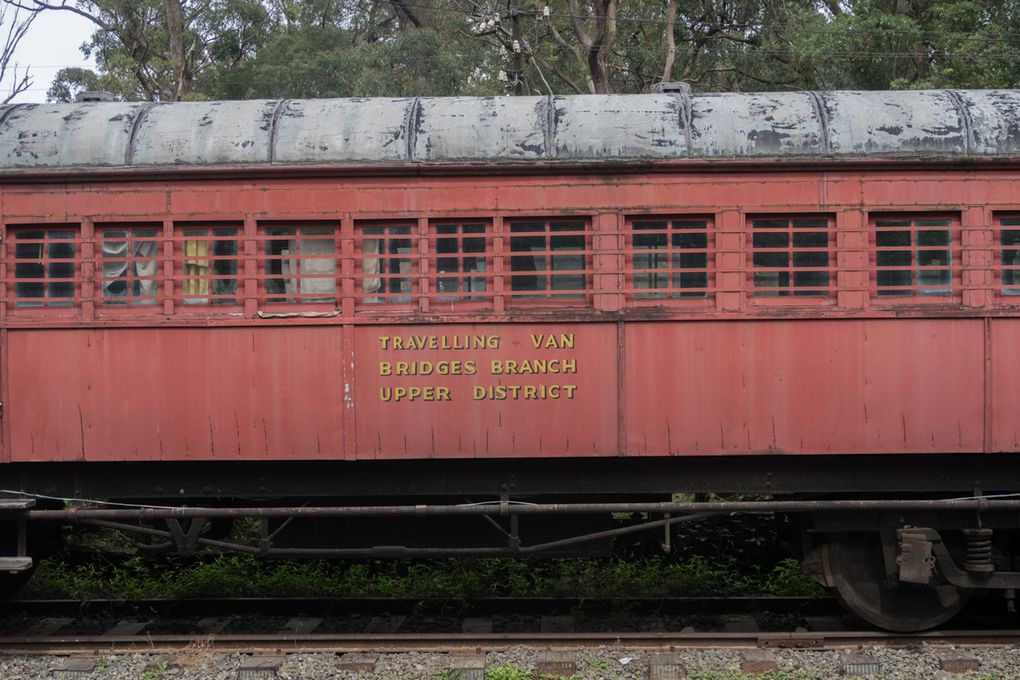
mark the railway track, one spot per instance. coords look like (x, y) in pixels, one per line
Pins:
(255, 625)
(492, 642)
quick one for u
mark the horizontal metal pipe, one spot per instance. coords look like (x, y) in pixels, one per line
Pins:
(613, 533)
(72, 514)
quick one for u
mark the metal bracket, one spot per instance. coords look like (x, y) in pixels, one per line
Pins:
(915, 558)
(186, 542)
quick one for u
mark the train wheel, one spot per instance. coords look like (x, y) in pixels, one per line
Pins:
(856, 565)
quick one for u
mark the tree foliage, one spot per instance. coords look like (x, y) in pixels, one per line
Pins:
(180, 49)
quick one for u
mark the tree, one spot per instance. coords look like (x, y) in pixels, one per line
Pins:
(157, 49)
(176, 49)
(14, 22)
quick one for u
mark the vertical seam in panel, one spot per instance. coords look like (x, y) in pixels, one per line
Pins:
(621, 386)
(549, 126)
(965, 121)
(5, 420)
(987, 410)
(411, 120)
(686, 118)
(129, 153)
(277, 113)
(823, 119)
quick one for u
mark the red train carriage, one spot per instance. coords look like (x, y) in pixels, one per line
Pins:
(422, 327)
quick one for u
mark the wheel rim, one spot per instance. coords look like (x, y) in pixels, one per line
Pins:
(857, 567)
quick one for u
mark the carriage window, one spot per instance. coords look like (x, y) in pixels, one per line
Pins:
(548, 260)
(299, 263)
(44, 266)
(669, 258)
(791, 256)
(1009, 254)
(387, 264)
(461, 261)
(129, 265)
(914, 256)
(208, 257)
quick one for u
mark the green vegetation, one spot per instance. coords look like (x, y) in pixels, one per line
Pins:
(511, 672)
(241, 576)
(165, 50)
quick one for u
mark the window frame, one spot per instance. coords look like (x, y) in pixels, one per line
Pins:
(41, 306)
(999, 269)
(824, 298)
(914, 294)
(112, 306)
(460, 300)
(670, 295)
(312, 301)
(389, 301)
(547, 296)
(214, 303)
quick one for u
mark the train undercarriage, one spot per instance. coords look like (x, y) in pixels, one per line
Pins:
(902, 561)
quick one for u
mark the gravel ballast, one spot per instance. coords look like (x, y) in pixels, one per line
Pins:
(199, 663)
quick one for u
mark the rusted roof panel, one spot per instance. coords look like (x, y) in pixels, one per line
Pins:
(594, 127)
(342, 130)
(66, 135)
(895, 123)
(202, 133)
(994, 120)
(473, 128)
(588, 128)
(754, 125)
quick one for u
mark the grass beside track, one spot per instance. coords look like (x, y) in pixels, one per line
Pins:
(246, 576)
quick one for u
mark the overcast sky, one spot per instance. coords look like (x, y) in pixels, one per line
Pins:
(51, 44)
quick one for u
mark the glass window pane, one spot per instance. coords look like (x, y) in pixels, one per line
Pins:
(770, 240)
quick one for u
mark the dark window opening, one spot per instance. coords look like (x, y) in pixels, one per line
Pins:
(791, 257)
(913, 256)
(548, 258)
(670, 258)
(460, 261)
(44, 267)
(1009, 243)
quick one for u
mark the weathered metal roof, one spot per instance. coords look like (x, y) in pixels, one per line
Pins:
(677, 126)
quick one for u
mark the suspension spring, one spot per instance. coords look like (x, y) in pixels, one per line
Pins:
(978, 558)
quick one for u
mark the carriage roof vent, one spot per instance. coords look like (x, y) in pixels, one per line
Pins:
(671, 88)
(95, 96)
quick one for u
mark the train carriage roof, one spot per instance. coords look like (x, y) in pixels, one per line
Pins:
(452, 130)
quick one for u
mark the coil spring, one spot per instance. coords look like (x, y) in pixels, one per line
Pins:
(979, 550)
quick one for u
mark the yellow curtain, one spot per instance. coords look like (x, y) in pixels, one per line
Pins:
(196, 268)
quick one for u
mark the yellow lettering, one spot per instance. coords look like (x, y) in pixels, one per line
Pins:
(470, 368)
(385, 368)
(386, 393)
(384, 341)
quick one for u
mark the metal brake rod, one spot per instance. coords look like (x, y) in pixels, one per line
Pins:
(72, 514)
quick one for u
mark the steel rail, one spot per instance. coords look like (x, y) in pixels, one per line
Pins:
(497, 508)
(445, 642)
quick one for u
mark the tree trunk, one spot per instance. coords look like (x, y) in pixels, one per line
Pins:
(175, 38)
